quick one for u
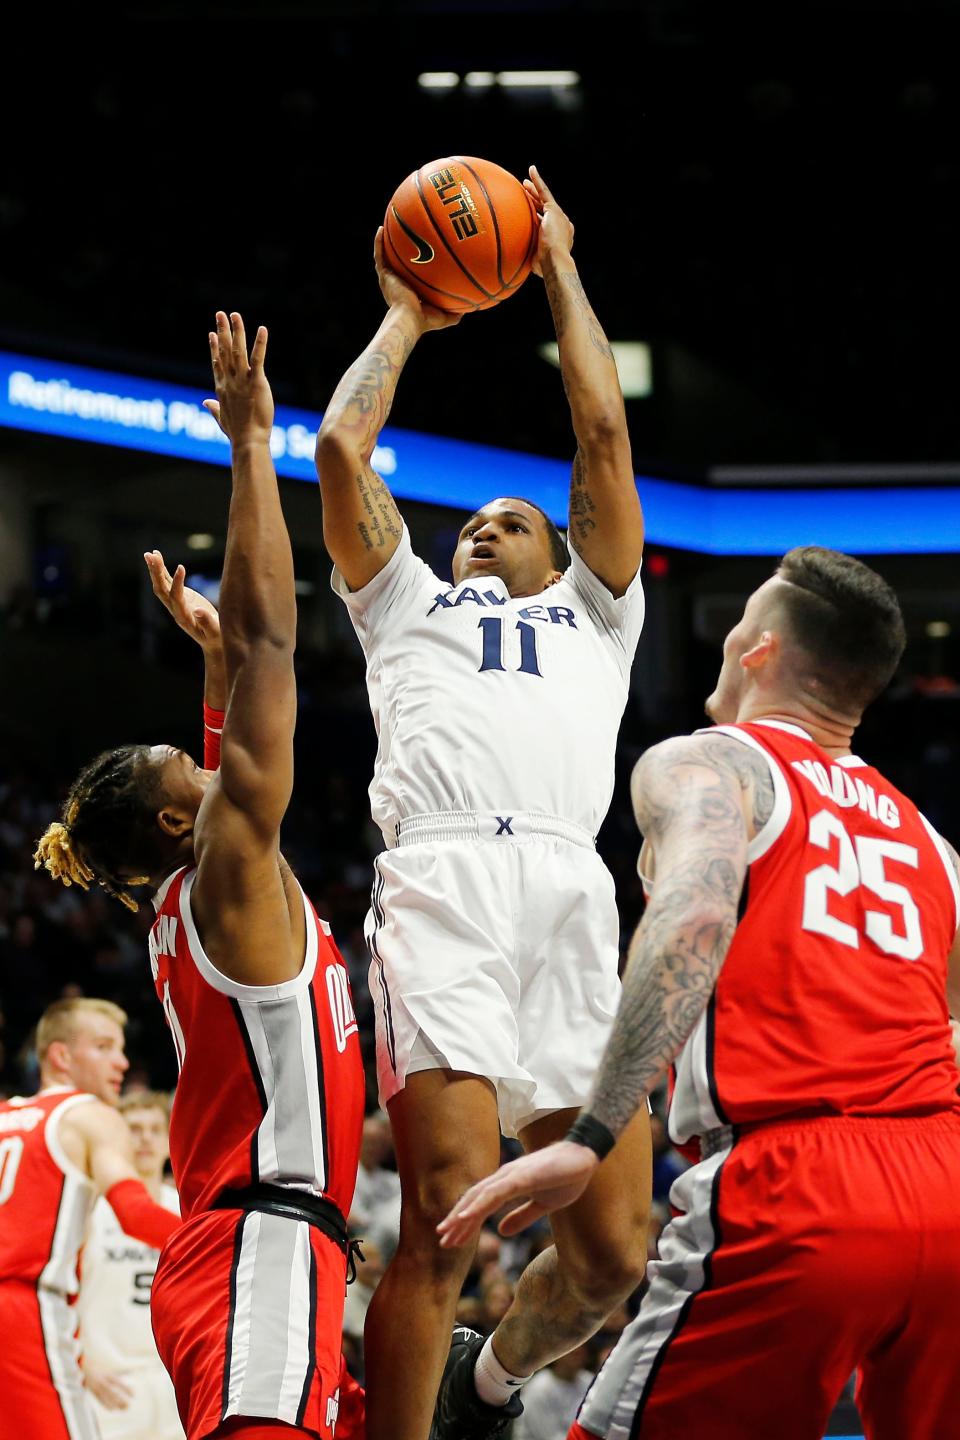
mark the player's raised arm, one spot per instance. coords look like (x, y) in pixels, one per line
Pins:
(361, 523)
(258, 621)
(606, 522)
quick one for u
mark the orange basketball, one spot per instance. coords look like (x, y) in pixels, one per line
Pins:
(462, 232)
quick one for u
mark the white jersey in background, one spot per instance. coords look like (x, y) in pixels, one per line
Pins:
(482, 701)
(116, 1336)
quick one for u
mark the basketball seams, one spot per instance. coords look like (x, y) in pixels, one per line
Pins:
(493, 216)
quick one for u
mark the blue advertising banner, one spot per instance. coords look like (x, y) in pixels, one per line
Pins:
(122, 410)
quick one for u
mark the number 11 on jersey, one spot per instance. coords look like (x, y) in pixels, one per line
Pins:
(492, 628)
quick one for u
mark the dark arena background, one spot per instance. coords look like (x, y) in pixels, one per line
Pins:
(765, 205)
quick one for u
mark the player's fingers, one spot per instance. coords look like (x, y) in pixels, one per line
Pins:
(225, 342)
(534, 194)
(259, 351)
(538, 180)
(239, 342)
(380, 255)
(216, 363)
(176, 587)
(159, 578)
(521, 1217)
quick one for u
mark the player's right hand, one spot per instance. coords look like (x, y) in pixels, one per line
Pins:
(396, 291)
(193, 612)
(112, 1392)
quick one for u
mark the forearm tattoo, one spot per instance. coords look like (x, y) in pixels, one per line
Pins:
(688, 802)
(361, 405)
(582, 504)
(565, 290)
(383, 517)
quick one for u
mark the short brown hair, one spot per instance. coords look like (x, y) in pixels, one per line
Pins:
(59, 1020)
(847, 620)
(145, 1100)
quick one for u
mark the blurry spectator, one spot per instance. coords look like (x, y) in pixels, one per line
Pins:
(667, 1164)
(552, 1398)
(496, 1295)
(376, 1203)
(659, 1216)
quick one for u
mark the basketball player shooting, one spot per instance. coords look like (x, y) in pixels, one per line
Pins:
(796, 959)
(59, 1150)
(493, 930)
(265, 1129)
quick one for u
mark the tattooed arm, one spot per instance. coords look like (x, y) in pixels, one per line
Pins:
(361, 523)
(606, 522)
(692, 798)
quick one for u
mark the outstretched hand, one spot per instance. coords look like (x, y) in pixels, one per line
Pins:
(193, 612)
(556, 229)
(547, 1180)
(396, 291)
(244, 405)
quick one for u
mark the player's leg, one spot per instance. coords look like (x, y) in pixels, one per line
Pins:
(597, 1260)
(446, 1136)
(757, 1308)
(910, 1378)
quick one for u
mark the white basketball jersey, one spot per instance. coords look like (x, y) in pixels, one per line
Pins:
(483, 701)
(116, 1275)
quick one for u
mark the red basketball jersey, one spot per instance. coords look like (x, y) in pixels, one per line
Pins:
(832, 998)
(45, 1200)
(271, 1084)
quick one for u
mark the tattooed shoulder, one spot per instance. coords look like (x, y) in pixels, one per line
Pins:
(729, 757)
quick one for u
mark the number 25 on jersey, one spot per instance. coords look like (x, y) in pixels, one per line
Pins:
(860, 866)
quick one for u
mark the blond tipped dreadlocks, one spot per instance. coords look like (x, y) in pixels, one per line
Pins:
(108, 825)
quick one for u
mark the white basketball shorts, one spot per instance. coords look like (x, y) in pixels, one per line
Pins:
(495, 954)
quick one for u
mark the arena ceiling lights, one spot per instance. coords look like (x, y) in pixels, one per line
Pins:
(633, 361)
(551, 80)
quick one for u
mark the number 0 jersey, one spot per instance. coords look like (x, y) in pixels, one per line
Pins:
(45, 1200)
(832, 997)
(481, 700)
(271, 1084)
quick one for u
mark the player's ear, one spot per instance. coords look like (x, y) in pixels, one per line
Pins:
(761, 653)
(175, 822)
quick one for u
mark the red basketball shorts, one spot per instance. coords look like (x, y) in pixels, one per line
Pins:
(802, 1252)
(41, 1383)
(247, 1314)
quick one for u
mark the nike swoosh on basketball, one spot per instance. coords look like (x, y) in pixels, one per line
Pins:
(424, 249)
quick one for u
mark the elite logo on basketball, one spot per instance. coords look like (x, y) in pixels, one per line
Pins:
(465, 219)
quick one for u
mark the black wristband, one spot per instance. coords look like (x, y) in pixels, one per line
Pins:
(585, 1130)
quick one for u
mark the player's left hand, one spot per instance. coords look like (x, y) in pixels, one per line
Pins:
(193, 612)
(556, 229)
(244, 405)
(547, 1180)
(112, 1392)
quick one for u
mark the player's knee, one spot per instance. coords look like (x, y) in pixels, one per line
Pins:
(602, 1276)
(432, 1199)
